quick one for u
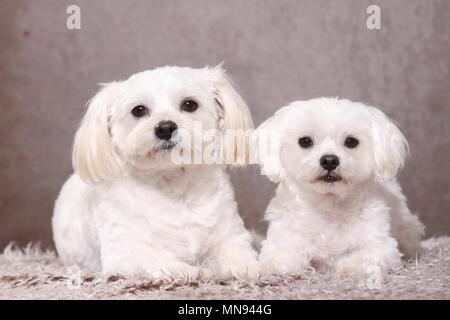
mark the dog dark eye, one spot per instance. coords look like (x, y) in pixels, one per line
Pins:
(305, 142)
(351, 142)
(139, 111)
(189, 105)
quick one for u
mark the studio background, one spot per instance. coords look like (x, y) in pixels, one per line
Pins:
(276, 51)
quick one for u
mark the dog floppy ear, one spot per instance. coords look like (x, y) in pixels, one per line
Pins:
(93, 156)
(268, 144)
(235, 120)
(390, 147)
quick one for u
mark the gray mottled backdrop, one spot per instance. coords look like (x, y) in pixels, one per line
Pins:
(276, 51)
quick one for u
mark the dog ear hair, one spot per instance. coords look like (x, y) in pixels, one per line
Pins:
(390, 147)
(268, 144)
(93, 156)
(235, 120)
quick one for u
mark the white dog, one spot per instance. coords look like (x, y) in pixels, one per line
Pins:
(337, 203)
(129, 208)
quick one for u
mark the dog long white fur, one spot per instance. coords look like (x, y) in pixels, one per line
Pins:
(337, 203)
(128, 208)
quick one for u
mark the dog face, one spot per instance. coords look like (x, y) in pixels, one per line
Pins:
(331, 145)
(137, 123)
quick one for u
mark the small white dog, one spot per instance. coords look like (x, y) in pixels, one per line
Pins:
(338, 203)
(128, 208)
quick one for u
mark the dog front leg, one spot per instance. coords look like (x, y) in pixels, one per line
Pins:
(234, 255)
(128, 248)
(120, 256)
(278, 258)
(375, 257)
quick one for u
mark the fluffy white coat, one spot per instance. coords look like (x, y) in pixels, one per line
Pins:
(358, 223)
(128, 208)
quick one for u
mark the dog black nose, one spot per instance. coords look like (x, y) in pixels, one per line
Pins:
(165, 129)
(329, 162)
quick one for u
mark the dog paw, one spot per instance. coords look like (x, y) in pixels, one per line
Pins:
(346, 270)
(247, 270)
(176, 271)
(358, 269)
(279, 268)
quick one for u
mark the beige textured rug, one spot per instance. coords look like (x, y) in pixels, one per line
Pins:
(33, 274)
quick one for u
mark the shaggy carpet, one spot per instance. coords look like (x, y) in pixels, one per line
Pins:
(32, 274)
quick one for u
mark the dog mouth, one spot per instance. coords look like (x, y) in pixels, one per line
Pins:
(166, 146)
(330, 177)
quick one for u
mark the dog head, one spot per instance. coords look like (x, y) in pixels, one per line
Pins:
(138, 123)
(330, 145)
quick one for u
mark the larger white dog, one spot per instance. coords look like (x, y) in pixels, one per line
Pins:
(337, 203)
(129, 208)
